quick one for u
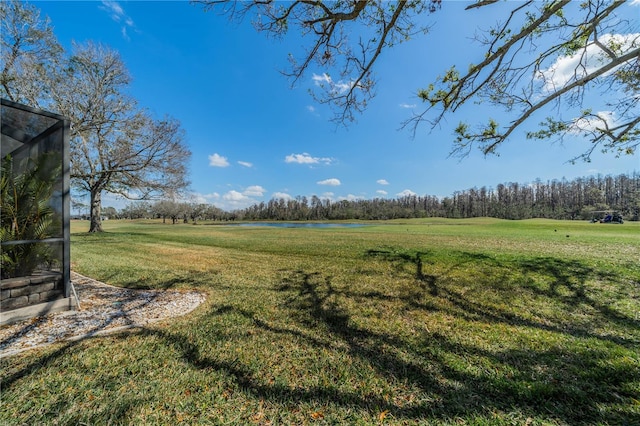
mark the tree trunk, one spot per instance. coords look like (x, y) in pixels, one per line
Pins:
(96, 211)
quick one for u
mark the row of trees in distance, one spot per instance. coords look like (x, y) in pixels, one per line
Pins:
(557, 199)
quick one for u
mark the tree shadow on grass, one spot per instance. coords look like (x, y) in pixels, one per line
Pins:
(450, 373)
(568, 285)
(415, 260)
(561, 282)
(116, 410)
(453, 378)
(448, 389)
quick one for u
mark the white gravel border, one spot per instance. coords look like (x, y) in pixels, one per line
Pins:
(104, 309)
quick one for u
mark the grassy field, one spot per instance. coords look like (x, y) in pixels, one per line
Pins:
(479, 322)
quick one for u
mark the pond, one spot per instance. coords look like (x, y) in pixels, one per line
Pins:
(299, 225)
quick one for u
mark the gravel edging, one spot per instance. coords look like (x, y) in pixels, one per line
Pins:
(104, 309)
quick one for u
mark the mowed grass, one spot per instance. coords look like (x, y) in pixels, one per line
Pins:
(429, 321)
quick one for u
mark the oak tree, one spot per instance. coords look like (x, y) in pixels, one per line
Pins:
(29, 51)
(116, 145)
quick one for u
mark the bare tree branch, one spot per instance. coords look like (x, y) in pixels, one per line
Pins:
(514, 74)
(499, 81)
(345, 80)
(28, 53)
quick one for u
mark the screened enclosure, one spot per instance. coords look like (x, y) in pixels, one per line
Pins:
(35, 274)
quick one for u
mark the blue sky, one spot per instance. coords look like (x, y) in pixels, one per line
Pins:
(254, 137)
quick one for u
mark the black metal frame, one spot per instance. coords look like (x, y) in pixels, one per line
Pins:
(17, 140)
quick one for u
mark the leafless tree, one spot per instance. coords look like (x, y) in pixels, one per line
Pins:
(28, 52)
(519, 73)
(115, 145)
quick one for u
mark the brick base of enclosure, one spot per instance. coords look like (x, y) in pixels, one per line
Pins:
(27, 297)
(32, 290)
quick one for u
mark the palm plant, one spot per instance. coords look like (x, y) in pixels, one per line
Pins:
(26, 214)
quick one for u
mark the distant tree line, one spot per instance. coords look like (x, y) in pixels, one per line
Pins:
(557, 199)
(576, 199)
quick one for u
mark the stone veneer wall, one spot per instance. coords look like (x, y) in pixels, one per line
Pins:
(27, 291)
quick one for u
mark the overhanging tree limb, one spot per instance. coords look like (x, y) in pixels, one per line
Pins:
(509, 76)
(500, 78)
(345, 80)
(557, 94)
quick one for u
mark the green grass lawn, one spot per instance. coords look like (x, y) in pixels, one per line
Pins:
(429, 321)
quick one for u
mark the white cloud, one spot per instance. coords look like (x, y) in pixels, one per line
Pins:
(245, 163)
(635, 3)
(118, 14)
(214, 196)
(254, 191)
(233, 199)
(195, 197)
(325, 81)
(406, 193)
(234, 196)
(198, 198)
(407, 106)
(321, 79)
(300, 159)
(306, 158)
(571, 68)
(113, 7)
(381, 192)
(311, 108)
(382, 182)
(217, 160)
(602, 120)
(330, 182)
(283, 195)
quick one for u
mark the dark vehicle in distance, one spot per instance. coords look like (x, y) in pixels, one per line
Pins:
(607, 216)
